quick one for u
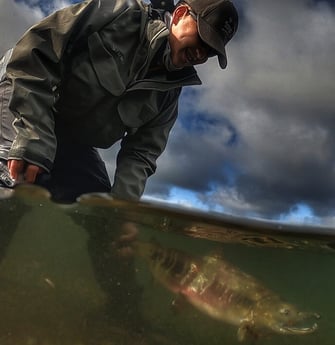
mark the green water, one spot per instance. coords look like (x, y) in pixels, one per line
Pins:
(62, 283)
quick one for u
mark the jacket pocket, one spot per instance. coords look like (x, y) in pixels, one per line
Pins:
(105, 66)
(139, 107)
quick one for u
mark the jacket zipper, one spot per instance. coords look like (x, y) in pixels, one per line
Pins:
(146, 60)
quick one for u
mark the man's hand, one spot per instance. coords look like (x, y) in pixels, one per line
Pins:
(124, 243)
(22, 171)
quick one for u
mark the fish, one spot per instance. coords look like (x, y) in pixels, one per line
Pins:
(224, 292)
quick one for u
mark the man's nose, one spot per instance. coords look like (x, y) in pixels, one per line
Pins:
(201, 53)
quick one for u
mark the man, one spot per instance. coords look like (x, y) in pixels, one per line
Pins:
(86, 77)
(95, 73)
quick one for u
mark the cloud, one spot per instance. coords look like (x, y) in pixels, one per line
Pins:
(22, 15)
(48, 6)
(277, 97)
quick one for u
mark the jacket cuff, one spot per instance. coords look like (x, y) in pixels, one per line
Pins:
(31, 158)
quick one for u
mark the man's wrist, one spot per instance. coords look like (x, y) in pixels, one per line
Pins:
(5, 178)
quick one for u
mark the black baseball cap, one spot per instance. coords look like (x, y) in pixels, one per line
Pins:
(217, 22)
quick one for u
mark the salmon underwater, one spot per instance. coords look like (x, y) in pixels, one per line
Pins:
(224, 292)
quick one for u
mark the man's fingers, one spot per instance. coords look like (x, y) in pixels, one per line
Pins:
(31, 172)
(123, 244)
(15, 168)
(19, 169)
(129, 232)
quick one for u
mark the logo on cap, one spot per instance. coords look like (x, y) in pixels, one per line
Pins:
(227, 26)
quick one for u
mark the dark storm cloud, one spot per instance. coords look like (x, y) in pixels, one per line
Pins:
(277, 96)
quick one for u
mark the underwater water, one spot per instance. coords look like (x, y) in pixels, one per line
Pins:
(103, 272)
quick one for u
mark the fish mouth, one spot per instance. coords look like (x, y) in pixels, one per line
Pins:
(300, 330)
(300, 327)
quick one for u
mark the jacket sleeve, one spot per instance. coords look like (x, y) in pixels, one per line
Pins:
(136, 160)
(35, 72)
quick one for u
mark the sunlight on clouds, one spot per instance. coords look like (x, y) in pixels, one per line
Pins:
(47, 6)
(185, 198)
(229, 200)
(55, 5)
(300, 214)
(303, 214)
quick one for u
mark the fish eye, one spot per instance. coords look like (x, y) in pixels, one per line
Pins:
(284, 311)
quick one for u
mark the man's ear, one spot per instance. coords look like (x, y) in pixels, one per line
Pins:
(179, 13)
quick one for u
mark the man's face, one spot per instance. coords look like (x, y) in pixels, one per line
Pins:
(187, 48)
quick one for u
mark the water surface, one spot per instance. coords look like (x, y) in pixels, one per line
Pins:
(64, 281)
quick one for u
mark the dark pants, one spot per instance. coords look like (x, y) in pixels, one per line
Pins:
(77, 170)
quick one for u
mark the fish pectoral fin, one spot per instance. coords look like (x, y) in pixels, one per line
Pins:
(246, 331)
(242, 332)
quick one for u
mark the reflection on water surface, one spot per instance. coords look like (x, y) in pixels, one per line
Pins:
(103, 272)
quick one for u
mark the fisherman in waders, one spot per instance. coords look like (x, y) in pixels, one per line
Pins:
(96, 73)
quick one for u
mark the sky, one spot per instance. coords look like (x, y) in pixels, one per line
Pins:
(256, 139)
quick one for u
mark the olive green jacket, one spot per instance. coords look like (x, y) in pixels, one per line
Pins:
(84, 73)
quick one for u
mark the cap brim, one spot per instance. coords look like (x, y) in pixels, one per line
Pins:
(222, 60)
(213, 39)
